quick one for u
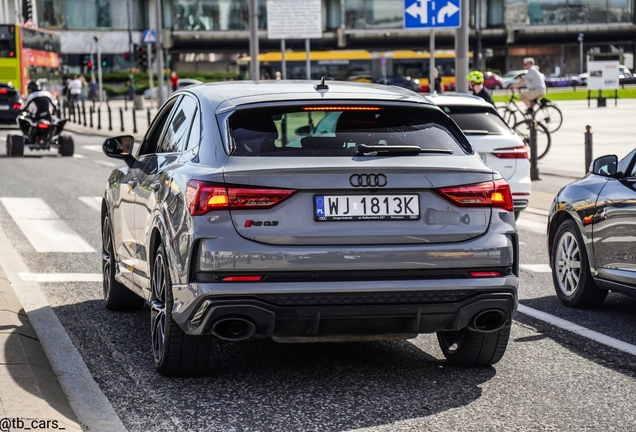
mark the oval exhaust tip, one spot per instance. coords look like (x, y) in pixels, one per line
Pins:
(233, 329)
(489, 321)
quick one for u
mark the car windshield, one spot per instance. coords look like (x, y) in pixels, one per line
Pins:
(474, 120)
(339, 130)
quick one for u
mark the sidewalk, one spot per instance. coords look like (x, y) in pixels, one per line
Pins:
(29, 390)
(123, 119)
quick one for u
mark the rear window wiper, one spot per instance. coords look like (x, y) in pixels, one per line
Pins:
(387, 149)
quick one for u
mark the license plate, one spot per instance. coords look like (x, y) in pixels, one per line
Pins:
(4, 107)
(366, 207)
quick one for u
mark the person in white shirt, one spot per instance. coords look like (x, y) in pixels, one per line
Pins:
(39, 104)
(534, 80)
(75, 89)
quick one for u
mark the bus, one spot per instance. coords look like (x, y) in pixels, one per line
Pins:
(30, 54)
(356, 65)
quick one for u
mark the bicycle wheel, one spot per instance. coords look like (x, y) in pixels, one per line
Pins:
(544, 140)
(507, 115)
(550, 116)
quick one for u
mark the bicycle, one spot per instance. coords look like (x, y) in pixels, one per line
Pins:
(544, 138)
(547, 113)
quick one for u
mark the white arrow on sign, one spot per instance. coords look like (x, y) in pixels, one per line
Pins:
(447, 11)
(419, 8)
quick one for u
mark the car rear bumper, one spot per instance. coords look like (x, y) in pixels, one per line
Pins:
(344, 310)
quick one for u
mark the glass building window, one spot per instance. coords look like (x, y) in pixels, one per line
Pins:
(374, 14)
(201, 15)
(92, 14)
(563, 12)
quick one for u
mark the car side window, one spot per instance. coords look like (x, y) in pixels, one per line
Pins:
(151, 141)
(195, 132)
(175, 138)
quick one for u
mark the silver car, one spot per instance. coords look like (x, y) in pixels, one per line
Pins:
(239, 217)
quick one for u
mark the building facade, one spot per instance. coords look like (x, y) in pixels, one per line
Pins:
(201, 31)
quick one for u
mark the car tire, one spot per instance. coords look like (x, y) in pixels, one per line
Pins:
(15, 145)
(176, 354)
(116, 296)
(466, 347)
(67, 146)
(571, 275)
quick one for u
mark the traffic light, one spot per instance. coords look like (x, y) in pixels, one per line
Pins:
(86, 60)
(126, 56)
(27, 10)
(143, 58)
(135, 53)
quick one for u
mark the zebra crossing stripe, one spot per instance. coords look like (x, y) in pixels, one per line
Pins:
(537, 268)
(94, 202)
(61, 277)
(42, 226)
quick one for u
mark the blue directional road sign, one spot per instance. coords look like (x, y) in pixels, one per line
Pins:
(149, 37)
(433, 14)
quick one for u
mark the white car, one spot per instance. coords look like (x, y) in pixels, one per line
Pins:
(492, 138)
(511, 78)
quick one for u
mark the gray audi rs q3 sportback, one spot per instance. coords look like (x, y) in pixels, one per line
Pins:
(306, 212)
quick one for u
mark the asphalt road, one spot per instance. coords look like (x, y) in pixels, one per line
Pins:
(551, 378)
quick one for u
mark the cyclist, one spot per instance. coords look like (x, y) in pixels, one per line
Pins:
(476, 84)
(535, 81)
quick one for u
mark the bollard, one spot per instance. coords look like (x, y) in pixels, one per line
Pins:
(134, 121)
(90, 114)
(534, 160)
(99, 118)
(148, 116)
(110, 119)
(588, 147)
(73, 113)
(125, 104)
(84, 113)
(121, 118)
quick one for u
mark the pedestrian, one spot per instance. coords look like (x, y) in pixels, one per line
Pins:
(92, 91)
(476, 84)
(84, 91)
(534, 81)
(131, 88)
(75, 89)
(278, 75)
(439, 88)
(174, 81)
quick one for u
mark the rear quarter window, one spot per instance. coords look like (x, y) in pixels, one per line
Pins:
(478, 120)
(338, 130)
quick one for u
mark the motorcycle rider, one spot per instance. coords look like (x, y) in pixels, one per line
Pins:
(39, 104)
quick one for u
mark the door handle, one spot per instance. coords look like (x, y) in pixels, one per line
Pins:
(133, 183)
(155, 186)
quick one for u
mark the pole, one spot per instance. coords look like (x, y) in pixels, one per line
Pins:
(307, 59)
(580, 53)
(149, 52)
(99, 68)
(255, 67)
(159, 48)
(461, 49)
(588, 147)
(283, 65)
(534, 160)
(431, 62)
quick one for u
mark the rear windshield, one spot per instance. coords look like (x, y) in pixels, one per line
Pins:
(338, 130)
(477, 120)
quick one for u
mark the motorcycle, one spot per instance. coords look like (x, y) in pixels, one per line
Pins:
(40, 134)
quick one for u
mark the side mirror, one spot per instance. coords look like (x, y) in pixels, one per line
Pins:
(605, 166)
(303, 130)
(119, 147)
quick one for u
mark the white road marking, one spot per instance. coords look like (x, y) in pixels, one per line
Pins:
(92, 408)
(93, 202)
(537, 268)
(78, 156)
(105, 163)
(537, 211)
(95, 148)
(42, 226)
(61, 277)
(579, 330)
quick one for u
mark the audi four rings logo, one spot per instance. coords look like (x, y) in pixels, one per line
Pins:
(368, 180)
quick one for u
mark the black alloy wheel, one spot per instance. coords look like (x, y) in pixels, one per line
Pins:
(175, 353)
(116, 296)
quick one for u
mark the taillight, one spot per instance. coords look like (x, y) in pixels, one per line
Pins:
(488, 194)
(485, 273)
(511, 153)
(204, 197)
(3, 91)
(17, 106)
(43, 126)
(241, 278)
